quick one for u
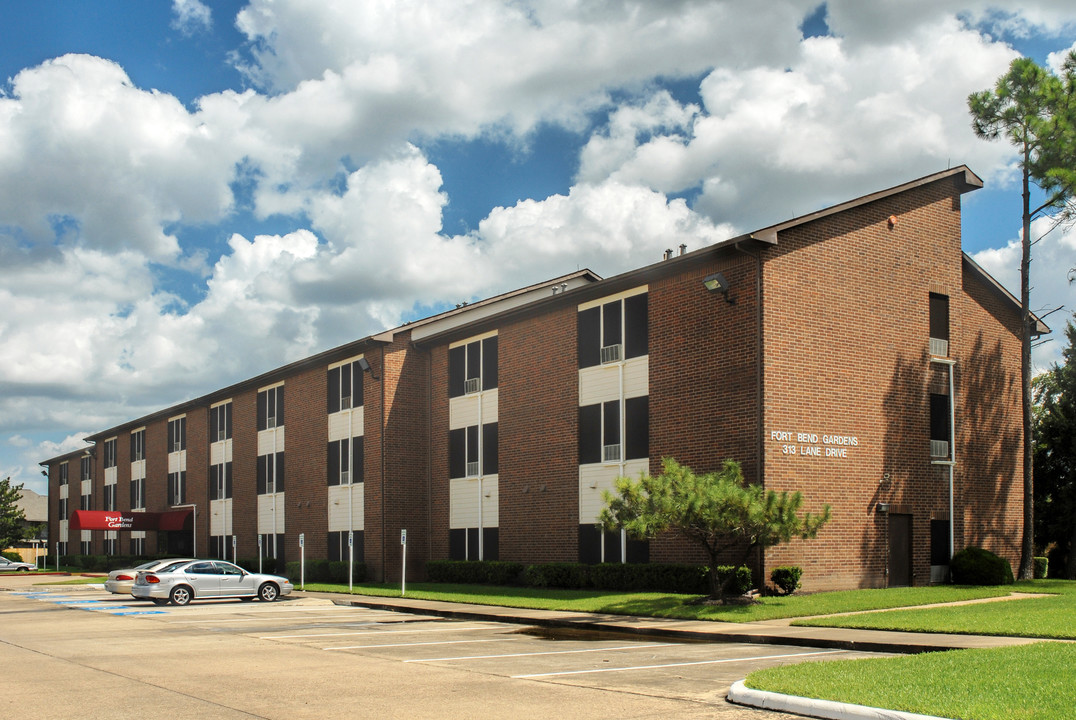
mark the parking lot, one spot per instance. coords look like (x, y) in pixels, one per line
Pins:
(306, 656)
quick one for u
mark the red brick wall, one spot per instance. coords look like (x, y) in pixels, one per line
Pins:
(846, 317)
(538, 416)
(306, 463)
(989, 476)
(703, 377)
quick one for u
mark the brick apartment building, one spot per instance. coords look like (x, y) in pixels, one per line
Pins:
(856, 355)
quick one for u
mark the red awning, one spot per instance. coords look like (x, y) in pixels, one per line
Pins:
(122, 520)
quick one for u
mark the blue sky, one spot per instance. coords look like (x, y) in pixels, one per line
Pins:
(192, 194)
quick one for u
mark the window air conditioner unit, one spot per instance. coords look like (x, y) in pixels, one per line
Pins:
(939, 348)
(472, 469)
(472, 385)
(610, 453)
(612, 353)
(939, 448)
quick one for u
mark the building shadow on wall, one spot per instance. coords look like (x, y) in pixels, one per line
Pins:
(987, 457)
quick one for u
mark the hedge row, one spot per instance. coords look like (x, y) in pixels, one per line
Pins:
(658, 577)
(326, 571)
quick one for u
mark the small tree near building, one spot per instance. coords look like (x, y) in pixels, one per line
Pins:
(717, 511)
(13, 527)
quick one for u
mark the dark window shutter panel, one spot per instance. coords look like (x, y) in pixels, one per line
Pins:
(334, 462)
(472, 444)
(637, 427)
(279, 472)
(489, 449)
(457, 453)
(333, 393)
(356, 385)
(457, 358)
(358, 458)
(636, 324)
(588, 324)
(611, 334)
(590, 446)
(263, 409)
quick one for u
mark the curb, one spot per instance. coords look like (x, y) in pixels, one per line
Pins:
(588, 622)
(811, 707)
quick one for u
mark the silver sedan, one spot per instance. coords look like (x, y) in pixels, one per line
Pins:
(120, 582)
(181, 582)
(13, 566)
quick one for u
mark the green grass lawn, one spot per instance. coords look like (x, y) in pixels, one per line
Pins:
(1028, 682)
(671, 605)
(1049, 617)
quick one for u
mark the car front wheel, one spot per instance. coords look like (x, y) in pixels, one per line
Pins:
(268, 592)
(180, 595)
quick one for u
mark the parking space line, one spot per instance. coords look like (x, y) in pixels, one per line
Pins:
(549, 652)
(313, 635)
(680, 664)
(417, 644)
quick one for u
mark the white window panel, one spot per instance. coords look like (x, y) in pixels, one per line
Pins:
(111, 475)
(64, 532)
(87, 535)
(339, 509)
(271, 514)
(463, 410)
(463, 502)
(63, 492)
(601, 383)
(177, 461)
(220, 452)
(266, 439)
(637, 377)
(338, 429)
(138, 470)
(595, 478)
(220, 517)
(87, 487)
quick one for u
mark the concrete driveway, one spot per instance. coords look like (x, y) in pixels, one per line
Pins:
(78, 651)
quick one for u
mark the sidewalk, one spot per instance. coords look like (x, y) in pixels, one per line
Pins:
(767, 632)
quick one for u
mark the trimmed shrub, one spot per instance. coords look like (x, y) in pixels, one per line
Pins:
(12, 555)
(557, 575)
(975, 566)
(1041, 565)
(741, 581)
(659, 577)
(786, 578)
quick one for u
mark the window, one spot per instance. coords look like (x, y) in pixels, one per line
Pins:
(86, 547)
(939, 425)
(220, 481)
(177, 435)
(110, 546)
(463, 543)
(469, 458)
(85, 502)
(593, 543)
(472, 367)
(138, 546)
(345, 387)
(220, 422)
(177, 487)
(346, 467)
(110, 497)
(939, 325)
(599, 431)
(616, 330)
(110, 453)
(63, 474)
(138, 445)
(138, 494)
(271, 408)
(87, 467)
(63, 508)
(337, 546)
(270, 473)
(272, 546)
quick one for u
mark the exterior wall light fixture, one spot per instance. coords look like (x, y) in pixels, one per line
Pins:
(364, 365)
(717, 283)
